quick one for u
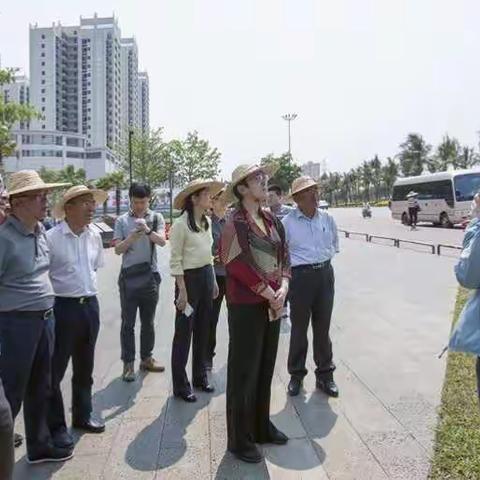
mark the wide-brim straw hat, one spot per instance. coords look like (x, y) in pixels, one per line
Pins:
(194, 186)
(302, 183)
(412, 194)
(29, 181)
(100, 196)
(244, 171)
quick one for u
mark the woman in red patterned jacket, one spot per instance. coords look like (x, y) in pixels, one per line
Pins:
(256, 259)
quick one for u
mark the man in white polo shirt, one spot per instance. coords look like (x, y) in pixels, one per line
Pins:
(76, 252)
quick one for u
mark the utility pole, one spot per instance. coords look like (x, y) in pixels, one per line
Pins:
(130, 136)
(289, 117)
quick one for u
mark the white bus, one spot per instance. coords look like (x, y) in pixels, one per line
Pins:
(444, 197)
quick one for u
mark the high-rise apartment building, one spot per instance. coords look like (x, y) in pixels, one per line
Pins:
(312, 169)
(84, 80)
(144, 101)
(18, 92)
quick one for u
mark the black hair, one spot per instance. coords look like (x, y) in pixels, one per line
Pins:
(235, 191)
(188, 207)
(276, 189)
(139, 190)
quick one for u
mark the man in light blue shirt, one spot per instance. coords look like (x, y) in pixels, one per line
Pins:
(312, 240)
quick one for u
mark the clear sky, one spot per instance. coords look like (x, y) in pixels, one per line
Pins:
(360, 74)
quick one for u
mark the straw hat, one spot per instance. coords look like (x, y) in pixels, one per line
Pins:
(244, 171)
(195, 186)
(98, 195)
(29, 181)
(412, 194)
(302, 183)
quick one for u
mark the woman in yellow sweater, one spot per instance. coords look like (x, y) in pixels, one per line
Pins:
(191, 263)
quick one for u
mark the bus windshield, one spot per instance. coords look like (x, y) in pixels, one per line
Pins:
(466, 186)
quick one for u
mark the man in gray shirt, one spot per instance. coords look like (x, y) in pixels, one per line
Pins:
(136, 235)
(26, 315)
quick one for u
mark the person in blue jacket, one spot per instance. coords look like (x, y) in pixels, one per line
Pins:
(466, 335)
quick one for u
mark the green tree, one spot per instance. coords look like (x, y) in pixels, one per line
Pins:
(196, 159)
(467, 158)
(446, 155)
(366, 176)
(413, 155)
(287, 171)
(114, 180)
(389, 175)
(10, 113)
(147, 157)
(376, 175)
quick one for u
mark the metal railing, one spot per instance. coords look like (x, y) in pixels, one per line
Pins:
(397, 242)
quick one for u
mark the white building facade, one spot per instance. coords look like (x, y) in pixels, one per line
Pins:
(84, 81)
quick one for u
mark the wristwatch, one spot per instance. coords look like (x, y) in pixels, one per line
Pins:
(149, 232)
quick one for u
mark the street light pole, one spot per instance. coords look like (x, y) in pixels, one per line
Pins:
(130, 135)
(289, 117)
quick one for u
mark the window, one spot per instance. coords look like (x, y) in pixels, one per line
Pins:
(43, 45)
(43, 127)
(43, 100)
(43, 64)
(43, 109)
(43, 37)
(43, 72)
(43, 54)
(466, 186)
(43, 90)
(43, 82)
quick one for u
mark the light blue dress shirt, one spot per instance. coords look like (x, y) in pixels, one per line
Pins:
(310, 240)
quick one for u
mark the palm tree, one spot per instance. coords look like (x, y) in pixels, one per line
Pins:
(115, 180)
(70, 175)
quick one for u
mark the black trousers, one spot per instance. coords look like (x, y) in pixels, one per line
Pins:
(76, 332)
(7, 458)
(217, 305)
(26, 342)
(199, 283)
(252, 351)
(413, 214)
(146, 304)
(311, 297)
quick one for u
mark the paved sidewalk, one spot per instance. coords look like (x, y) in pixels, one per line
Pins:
(392, 316)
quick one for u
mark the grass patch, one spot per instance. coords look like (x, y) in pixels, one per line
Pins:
(457, 440)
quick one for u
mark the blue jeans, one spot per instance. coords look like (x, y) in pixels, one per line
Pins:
(26, 349)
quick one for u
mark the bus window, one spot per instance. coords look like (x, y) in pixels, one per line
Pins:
(466, 186)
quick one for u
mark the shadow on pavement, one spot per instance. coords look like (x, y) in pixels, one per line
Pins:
(118, 396)
(232, 469)
(162, 443)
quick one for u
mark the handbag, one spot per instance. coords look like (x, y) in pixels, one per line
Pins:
(139, 278)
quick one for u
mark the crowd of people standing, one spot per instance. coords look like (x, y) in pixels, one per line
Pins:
(226, 244)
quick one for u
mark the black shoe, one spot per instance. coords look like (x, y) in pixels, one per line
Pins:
(275, 436)
(205, 387)
(17, 440)
(90, 426)
(50, 454)
(63, 440)
(294, 386)
(188, 397)
(250, 455)
(328, 386)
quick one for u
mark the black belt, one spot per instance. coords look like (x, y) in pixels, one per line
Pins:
(311, 266)
(44, 314)
(79, 300)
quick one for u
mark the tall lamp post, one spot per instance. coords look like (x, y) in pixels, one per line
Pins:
(130, 136)
(289, 117)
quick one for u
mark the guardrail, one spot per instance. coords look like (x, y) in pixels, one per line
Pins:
(453, 247)
(397, 242)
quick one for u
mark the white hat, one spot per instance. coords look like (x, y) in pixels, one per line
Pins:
(29, 181)
(412, 194)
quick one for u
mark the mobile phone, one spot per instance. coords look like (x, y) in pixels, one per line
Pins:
(188, 310)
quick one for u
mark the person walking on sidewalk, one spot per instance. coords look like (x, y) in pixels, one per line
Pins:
(255, 256)
(191, 263)
(219, 210)
(76, 252)
(136, 235)
(312, 241)
(26, 313)
(413, 209)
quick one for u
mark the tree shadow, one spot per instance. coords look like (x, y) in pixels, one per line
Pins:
(163, 443)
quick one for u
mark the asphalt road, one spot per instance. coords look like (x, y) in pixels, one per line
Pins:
(382, 223)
